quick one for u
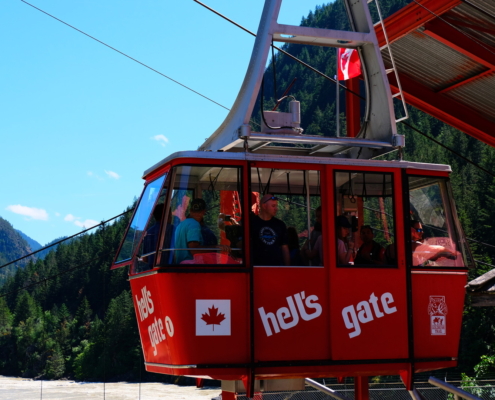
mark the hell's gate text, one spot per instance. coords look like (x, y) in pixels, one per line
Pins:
(364, 313)
(145, 304)
(287, 318)
(155, 331)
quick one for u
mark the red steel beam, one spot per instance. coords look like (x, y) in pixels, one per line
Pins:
(448, 35)
(352, 107)
(412, 17)
(447, 110)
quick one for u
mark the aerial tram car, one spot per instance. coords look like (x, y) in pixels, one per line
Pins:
(223, 304)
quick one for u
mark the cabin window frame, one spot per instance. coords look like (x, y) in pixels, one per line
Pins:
(393, 175)
(172, 267)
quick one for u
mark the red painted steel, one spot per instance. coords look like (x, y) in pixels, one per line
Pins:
(308, 321)
(447, 110)
(352, 104)
(436, 302)
(412, 17)
(455, 39)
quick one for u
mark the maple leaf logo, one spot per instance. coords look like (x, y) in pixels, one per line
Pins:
(213, 317)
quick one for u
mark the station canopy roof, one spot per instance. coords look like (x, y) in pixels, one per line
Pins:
(444, 51)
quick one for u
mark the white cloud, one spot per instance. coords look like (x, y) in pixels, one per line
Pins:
(70, 218)
(112, 174)
(163, 140)
(86, 224)
(57, 214)
(31, 212)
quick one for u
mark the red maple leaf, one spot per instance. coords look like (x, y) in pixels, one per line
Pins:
(213, 317)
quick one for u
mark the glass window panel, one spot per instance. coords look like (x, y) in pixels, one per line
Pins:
(434, 235)
(139, 219)
(280, 225)
(204, 223)
(365, 224)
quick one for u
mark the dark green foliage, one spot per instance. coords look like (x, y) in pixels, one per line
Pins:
(12, 247)
(80, 322)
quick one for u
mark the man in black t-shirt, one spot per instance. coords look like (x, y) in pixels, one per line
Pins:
(269, 235)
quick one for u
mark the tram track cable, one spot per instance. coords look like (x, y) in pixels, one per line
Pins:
(65, 239)
(280, 50)
(128, 56)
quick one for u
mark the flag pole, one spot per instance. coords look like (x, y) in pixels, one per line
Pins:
(337, 101)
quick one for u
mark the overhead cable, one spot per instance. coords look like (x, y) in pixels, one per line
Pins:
(448, 148)
(280, 50)
(125, 55)
(67, 238)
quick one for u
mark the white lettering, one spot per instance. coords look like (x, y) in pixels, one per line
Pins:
(365, 313)
(287, 318)
(386, 300)
(374, 300)
(265, 318)
(283, 314)
(156, 334)
(145, 304)
(351, 321)
(302, 311)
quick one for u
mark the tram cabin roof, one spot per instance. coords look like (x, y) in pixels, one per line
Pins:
(210, 157)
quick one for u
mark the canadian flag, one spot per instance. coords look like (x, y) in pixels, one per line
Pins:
(349, 64)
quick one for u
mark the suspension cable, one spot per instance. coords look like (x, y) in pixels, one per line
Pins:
(67, 238)
(125, 55)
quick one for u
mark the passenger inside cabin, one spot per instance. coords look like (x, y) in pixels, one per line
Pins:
(293, 243)
(309, 245)
(370, 251)
(425, 254)
(188, 234)
(269, 235)
(345, 248)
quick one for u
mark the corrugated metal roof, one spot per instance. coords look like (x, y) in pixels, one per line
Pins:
(448, 55)
(488, 6)
(430, 62)
(478, 94)
(479, 18)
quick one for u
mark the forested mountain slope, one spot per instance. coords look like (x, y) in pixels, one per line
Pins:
(81, 321)
(12, 247)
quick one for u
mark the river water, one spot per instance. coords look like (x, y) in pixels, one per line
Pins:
(28, 389)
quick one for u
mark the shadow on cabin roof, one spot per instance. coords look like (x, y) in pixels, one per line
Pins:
(482, 290)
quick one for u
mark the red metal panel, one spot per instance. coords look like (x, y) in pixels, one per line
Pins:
(291, 313)
(455, 39)
(352, 105)
(412, 17)
(449, 111)
(438, 301)
(170, 307)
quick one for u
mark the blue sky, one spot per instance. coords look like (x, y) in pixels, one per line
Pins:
(79, 123)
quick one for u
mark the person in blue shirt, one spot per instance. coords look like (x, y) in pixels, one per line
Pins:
(188, 234)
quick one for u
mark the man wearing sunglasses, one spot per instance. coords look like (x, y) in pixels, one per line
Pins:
(425, 254)
(269, 241)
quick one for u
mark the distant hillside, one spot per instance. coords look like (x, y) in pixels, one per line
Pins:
(12, 246)
(31, 242)
(42, 254)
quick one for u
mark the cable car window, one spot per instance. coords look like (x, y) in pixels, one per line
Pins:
(434, 234)
(136, 228)
(365, 225)
(286, 219)
(204, 220)
(146, 254)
